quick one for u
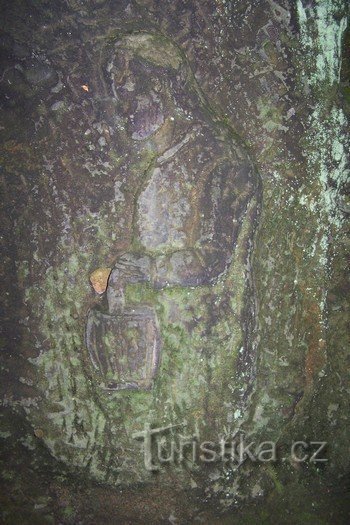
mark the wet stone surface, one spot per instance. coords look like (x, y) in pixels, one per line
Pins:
(174, 230)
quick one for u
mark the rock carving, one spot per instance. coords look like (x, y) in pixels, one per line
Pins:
(188, 208)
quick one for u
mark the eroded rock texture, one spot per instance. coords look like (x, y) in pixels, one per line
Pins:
(199, 151)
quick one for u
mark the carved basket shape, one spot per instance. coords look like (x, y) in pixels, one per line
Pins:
(124, 348)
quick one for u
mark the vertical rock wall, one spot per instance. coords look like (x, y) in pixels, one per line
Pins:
(262, 349)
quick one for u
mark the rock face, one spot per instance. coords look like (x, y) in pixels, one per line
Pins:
(125, 349)
(195, 154)
(190, 200)
(99, 279)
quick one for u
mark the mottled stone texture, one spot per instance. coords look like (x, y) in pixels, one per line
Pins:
(199, 149)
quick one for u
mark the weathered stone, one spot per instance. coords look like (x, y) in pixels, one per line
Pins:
(124, 348)
(40, 74)
(191, 199)
(227, 303)
(99, 279)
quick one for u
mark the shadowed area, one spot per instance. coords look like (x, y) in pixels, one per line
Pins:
(174, 181)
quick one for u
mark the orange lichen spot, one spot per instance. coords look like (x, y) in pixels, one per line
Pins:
(85, 87)
(99, 279)
(39, 433)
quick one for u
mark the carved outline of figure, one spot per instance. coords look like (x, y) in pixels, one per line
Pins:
(190, 241)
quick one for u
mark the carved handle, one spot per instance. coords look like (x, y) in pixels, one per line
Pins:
(129, 268)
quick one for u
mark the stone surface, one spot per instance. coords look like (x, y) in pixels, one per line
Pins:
(125, 348)
(207, 165)
(99, 279)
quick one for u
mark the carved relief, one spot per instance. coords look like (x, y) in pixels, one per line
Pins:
(188, 206)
